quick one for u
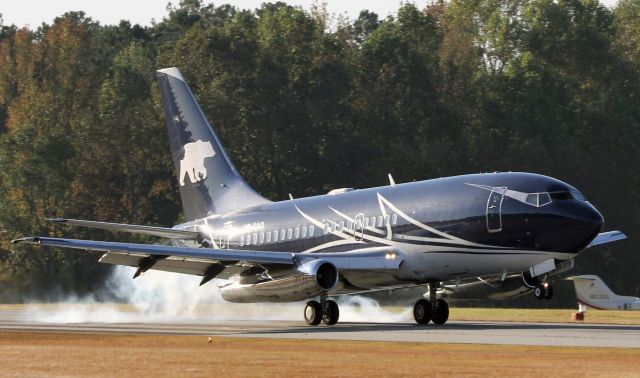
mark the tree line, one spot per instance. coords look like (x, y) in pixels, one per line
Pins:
(305, 102)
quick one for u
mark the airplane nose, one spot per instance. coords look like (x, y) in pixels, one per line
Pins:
(590, 216)
(588, 222)
(569, 226)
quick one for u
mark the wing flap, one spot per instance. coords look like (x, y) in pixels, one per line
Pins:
(130, 228)
(212, 255)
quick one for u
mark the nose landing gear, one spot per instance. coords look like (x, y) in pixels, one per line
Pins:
(543, 291)
(435, 310)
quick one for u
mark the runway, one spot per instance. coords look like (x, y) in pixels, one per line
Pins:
(501, 333)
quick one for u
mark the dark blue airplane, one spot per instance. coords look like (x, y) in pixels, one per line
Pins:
(447, 234)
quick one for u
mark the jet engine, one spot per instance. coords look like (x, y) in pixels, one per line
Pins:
(306, 280)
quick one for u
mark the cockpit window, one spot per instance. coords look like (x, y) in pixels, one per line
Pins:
(561, 196)
(532, 199)
(543, 199)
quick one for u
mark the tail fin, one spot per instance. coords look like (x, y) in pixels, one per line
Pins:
(209, 183)
(591, 289)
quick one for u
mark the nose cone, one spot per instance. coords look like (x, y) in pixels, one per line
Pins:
(585, 223)
(569, 226)
(590, 216)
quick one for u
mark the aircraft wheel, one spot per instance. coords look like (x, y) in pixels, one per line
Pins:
(312, 313)
(441, 313)
(548, 293)
(538, 291)
(332, 314)
(422, 311)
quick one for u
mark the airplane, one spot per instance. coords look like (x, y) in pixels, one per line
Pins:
(593, 292)
(433, 233)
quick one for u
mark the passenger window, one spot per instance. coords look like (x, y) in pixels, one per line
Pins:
(310, 231)
(349, 225)
(340, 225)
(269, 237)
(394, 218)
(241, 240)
(325, 228)
(296, 234)
(254, 240)
(261, 240)
(282, 236)
(543, 199)
(380, 221)
(386, 220)
(304, 231)
(289, 233)
(333, 226)
(532, 199)
(366, 222)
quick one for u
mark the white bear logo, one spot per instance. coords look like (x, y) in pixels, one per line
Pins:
(193, 161)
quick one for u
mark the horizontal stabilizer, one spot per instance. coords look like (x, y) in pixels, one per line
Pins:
(131, 228)
(607, 237)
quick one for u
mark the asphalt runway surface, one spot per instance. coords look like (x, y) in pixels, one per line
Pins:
(468, 332)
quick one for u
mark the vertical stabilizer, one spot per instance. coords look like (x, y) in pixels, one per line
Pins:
(593, 292)
(209, 183)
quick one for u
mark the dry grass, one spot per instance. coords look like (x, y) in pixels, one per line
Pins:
(543, 315)
(60, 354)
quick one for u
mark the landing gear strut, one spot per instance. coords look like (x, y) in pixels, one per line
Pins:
(434, 309)
(543, 291)
(326, 311)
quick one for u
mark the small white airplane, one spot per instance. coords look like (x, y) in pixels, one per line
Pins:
(594, 293)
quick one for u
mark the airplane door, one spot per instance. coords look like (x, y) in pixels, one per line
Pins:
(494, 210)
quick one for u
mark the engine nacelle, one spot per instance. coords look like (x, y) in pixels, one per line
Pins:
(306, 280)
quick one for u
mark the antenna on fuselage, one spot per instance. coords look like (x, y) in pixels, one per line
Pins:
(392, 182)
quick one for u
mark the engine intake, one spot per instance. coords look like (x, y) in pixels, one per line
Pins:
(325, 273)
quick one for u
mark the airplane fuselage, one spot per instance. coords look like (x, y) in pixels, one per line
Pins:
(443, 229)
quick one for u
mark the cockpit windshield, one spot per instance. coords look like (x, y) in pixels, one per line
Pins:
(541, 199)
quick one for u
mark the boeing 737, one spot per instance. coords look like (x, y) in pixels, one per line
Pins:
(438, 233)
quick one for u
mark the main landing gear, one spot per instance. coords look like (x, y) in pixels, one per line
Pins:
(435, 310)
(543, 291)
(326, 311)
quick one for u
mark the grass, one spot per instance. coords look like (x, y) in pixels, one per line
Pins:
(103, 355)
(543, 315)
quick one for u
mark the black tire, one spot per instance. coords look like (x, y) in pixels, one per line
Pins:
(333, 313)
(548, 293)
(441, 313)
(422, 311)
(313, 313)
(538, 291)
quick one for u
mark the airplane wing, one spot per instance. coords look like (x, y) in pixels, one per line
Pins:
(212, 263)
(607, 237)
(131, 228)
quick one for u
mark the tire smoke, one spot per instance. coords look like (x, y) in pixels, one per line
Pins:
(169, 297)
